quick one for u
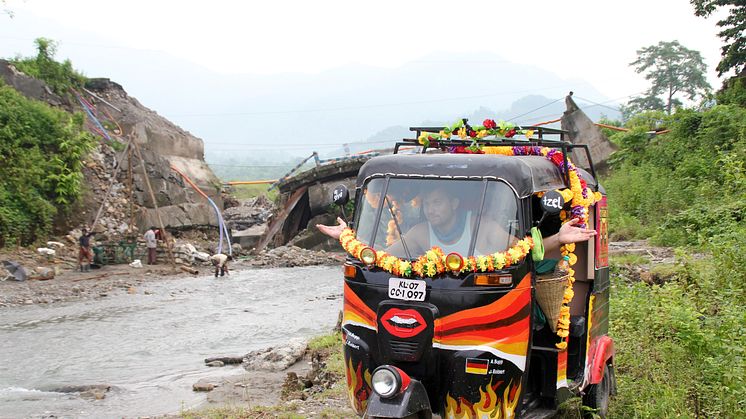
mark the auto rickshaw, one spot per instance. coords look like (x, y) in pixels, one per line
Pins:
(459, 332)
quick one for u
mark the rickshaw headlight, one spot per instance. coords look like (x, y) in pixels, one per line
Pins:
(454, 262)
(386, 382)
(368, 256)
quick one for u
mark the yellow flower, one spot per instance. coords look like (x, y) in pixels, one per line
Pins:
(499, 260)
(482, 263)
(514, 254)
(431, 271)
(562, 345)
(569, 293)
(566, 194)
(570, 247)
(481, 133)
(573, 259)
(443, 134)
(462, 133)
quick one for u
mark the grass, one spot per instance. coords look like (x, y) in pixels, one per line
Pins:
(251, 191)
(628, 259)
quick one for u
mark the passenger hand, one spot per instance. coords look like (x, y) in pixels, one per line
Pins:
(569, 233)
(333, 231)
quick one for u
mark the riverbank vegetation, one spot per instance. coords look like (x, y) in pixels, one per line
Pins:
(681, 343)
(41, 151)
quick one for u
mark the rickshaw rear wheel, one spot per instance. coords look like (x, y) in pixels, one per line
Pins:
(598, 395)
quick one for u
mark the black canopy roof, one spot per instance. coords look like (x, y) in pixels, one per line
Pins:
(526, 174)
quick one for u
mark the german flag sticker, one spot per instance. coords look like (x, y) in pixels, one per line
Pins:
(476, 366)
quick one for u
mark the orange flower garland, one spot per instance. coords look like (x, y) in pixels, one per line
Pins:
(581, 197)
(432, 263)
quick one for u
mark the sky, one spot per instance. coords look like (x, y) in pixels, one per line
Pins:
(593, 41)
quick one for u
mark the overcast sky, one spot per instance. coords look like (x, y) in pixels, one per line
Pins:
(590, 40)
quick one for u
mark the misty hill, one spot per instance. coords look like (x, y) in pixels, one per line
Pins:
(276, 117)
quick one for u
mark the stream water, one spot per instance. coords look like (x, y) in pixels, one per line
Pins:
(150, 346)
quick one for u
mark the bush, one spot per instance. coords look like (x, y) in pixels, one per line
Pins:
(40, 165)
(60, 77)
(680, 346)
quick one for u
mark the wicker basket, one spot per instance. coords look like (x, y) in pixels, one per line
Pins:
(550, 290)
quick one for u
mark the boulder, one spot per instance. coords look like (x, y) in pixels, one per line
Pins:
(276, 359)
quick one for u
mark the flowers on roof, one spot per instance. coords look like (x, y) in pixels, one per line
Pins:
(465, 131)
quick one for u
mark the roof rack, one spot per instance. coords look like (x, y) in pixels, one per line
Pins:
(541, 141)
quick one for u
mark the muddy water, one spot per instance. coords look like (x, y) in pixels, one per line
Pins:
(150, 345)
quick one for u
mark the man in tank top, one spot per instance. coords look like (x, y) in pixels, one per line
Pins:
(451, 229)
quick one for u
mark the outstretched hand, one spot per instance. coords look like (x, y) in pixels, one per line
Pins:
(569, 233)
(333, 231)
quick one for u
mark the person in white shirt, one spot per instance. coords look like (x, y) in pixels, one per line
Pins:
(152, 243)
(220, 262)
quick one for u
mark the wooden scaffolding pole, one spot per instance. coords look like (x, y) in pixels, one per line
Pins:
(155, 205)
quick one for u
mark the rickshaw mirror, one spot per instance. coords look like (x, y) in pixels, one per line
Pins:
(340, 195)
(552, 202)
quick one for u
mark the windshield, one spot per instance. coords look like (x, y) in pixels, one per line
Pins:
(456, 215)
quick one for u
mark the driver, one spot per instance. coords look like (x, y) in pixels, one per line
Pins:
(445, 227)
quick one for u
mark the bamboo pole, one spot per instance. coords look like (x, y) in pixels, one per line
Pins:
(155, 205)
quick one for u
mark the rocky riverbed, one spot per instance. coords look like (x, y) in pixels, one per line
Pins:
(71, 285)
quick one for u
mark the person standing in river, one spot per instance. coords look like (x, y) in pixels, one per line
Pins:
(152, 244)
(84, 253)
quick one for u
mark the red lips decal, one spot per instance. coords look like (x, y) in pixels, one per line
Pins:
(403, 323)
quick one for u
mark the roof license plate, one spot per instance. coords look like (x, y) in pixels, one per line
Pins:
(407, 289)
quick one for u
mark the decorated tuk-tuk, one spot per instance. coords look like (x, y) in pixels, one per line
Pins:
(446, 304)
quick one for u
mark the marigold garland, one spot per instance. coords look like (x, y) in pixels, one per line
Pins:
(580, 197)
(432, 263)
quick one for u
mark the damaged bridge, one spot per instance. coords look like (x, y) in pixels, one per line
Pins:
(305, 198)
(308, 195)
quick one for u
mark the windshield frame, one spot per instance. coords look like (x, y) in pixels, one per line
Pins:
(485, 180)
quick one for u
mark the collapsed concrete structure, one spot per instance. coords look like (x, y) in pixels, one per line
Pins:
(306, 197)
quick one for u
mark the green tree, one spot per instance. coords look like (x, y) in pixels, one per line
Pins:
(61, 77)
(672, 69)
(733, 51)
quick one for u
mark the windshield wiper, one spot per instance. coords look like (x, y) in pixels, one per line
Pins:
(398, 229)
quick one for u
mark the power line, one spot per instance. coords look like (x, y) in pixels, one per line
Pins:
(534, 110)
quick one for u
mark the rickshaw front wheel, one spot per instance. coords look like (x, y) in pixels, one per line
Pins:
(598, 395)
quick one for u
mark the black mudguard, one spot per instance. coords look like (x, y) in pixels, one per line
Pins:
(413, 401)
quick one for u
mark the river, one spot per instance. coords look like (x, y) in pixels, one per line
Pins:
(150, 345)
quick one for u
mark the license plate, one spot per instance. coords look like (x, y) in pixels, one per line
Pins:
(407, 289)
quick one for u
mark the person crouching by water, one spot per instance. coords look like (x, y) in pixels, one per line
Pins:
(220, 262)
(152, 244)
(85, 250)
